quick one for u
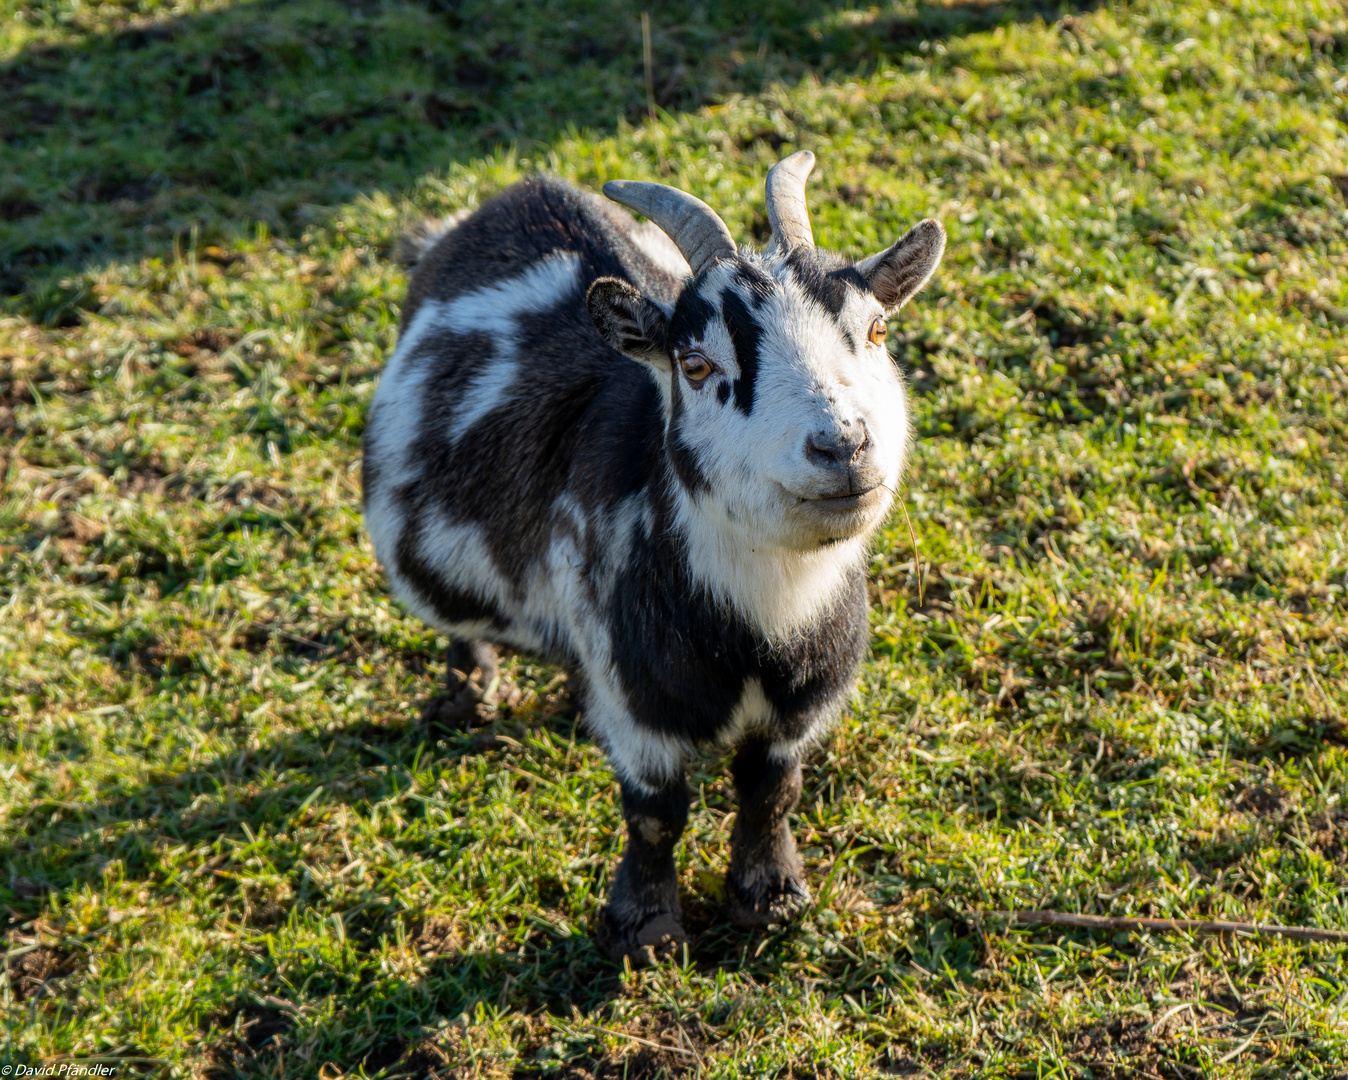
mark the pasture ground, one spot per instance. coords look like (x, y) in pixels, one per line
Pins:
(229, 847)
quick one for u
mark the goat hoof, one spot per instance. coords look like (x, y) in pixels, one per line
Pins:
(472, 666)
(456, 712)
(769, 903)
(655, 939)
(473, 689)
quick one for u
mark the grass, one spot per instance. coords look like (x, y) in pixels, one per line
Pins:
(229, 847)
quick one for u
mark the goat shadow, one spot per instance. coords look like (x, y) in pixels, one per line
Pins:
(277, 112)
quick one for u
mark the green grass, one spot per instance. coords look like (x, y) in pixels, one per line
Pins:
(228, 846)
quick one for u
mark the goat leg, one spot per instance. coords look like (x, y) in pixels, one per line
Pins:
(766, 880)
(643, 920)
(470, 668)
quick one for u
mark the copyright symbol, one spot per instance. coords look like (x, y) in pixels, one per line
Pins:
(6, 1070)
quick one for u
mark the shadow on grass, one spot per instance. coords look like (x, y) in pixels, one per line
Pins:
(261, 802)
(139, 130)
(276, 870)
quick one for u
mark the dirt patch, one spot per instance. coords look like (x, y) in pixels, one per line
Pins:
(248, 1031)
(266, 915)
(388, 1052)
(249, 492)
(442, 110)
(436, 1059)
(144, 477)
(16, 391)
(179, 655)
(438, 935)
(1119, 1049)
(116, 189)
(852, 194)
(26, 888)
(1329, 835)
(208, 340)
(13, 207)
(1267, 802)
(35, 973)
(81, 529)
(1101, 1045)
(920, 1062)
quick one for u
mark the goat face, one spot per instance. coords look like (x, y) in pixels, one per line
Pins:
(787, 423)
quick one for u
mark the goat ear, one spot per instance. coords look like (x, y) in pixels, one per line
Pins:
(631, 323)
(896, 275)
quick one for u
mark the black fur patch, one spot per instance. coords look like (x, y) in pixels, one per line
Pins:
(453, 361)
(683, 660)
(755, 282)
(824, 278)
(646, 884)
(583, 420)
(851, 276)
(524, 224)
(692, 314)
(745, 335)
(681, 455)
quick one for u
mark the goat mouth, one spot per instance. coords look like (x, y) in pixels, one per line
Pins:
(847, 502)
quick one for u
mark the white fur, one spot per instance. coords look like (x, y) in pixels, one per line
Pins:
(639, 755)
(753, 713)
(780, 590)
(458, 553)
(789, 750)
(485, 394)
(629, 516)
(396, 410)
(753, 542)
(495, 308)
(394, 425)
(555, 613)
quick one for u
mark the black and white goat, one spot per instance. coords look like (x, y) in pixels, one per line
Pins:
(686, 533)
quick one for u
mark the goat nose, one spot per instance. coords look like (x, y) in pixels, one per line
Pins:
(841, 445)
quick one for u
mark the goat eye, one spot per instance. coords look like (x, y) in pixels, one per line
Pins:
(697, 367)
(878, 330)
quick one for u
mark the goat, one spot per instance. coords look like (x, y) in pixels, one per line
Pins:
(677, 509)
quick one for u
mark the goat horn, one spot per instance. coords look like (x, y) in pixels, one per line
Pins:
(695, 228)
(787, 212)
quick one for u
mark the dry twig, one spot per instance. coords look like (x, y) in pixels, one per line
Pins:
(1191, 926)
